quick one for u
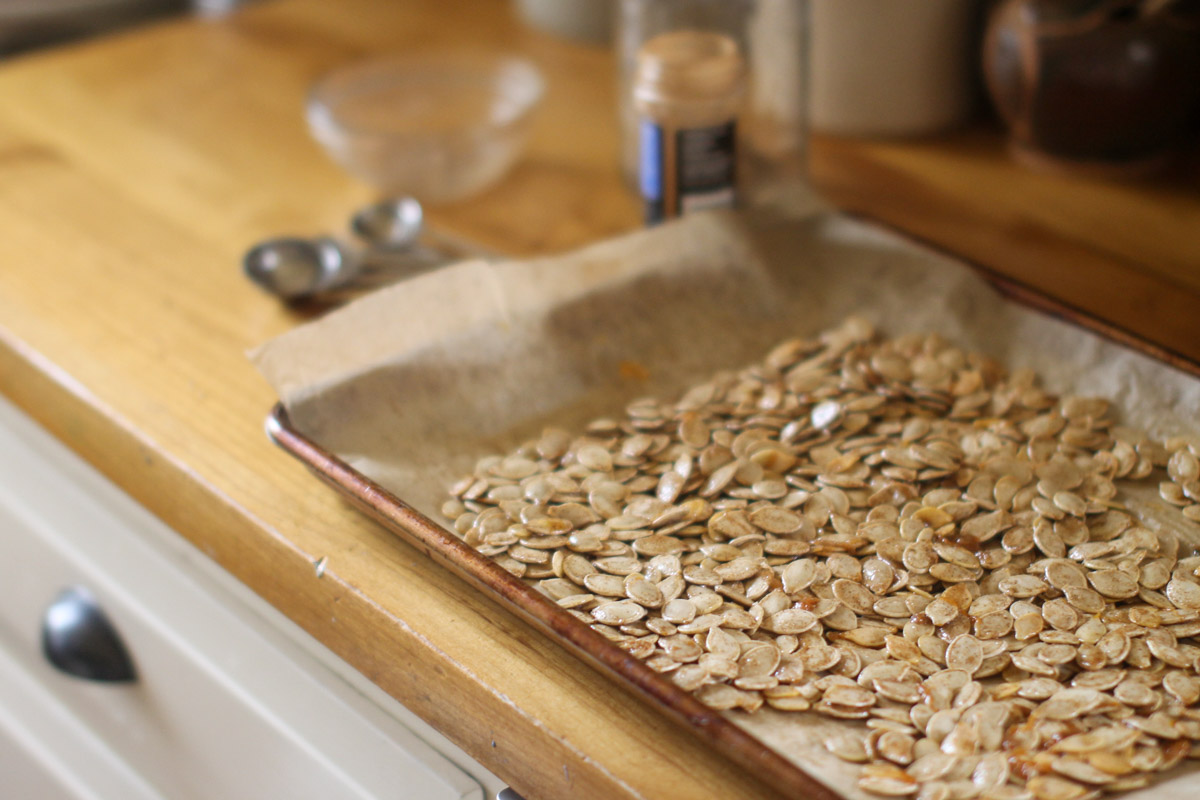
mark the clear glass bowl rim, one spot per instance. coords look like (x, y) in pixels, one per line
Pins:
(519, 80)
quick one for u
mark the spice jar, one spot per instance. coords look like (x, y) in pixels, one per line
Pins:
(687, 91)
(771, 120)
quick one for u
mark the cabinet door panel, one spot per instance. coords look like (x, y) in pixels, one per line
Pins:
(222, 707)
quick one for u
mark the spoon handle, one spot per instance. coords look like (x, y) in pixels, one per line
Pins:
(415, 259)
(456, 247)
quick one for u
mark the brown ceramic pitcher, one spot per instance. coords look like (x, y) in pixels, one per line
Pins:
(1111, 85)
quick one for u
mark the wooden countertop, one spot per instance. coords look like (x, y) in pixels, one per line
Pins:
(1124, 252)
(136, 169)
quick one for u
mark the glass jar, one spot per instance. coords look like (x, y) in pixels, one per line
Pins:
(687, 93)
(766, 101)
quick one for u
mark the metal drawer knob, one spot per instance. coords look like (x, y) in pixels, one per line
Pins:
(78, 639)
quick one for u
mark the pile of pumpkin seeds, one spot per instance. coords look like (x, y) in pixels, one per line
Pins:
(887, 530)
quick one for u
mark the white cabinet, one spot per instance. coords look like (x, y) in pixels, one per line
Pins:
(230, 699)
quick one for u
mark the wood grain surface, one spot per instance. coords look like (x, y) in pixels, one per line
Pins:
(135, 170)
(1127, 252)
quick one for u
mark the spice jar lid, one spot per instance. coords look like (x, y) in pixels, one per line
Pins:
(690, 66)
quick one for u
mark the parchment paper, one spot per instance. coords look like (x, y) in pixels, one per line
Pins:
(411, 384)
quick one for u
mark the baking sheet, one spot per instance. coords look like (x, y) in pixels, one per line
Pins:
(412, 384)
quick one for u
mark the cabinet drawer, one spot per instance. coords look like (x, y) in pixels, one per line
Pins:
(223, 706)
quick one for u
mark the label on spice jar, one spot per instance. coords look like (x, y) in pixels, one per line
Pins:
(687, 169)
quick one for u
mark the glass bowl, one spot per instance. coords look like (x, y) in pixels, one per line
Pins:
(438, 126)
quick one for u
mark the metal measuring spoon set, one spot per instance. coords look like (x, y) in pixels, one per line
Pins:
(296, 268)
